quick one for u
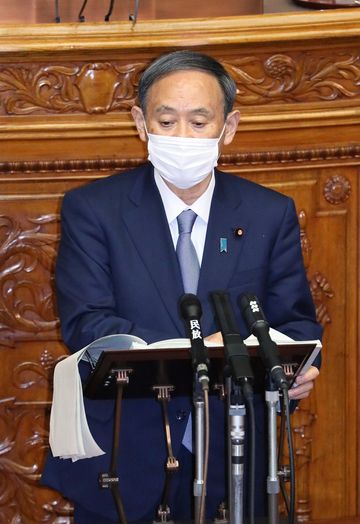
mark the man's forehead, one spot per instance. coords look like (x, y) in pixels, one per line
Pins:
(185, 83)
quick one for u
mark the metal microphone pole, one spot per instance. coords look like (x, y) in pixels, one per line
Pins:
(273, 483)
(199, 405)
(276, 380)
(134, 16)
(190, 310)
(236, 439)
(238, 386)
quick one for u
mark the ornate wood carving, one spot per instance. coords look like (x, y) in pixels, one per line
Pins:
(321, 291)
(238, 159)
(304, 239)
(292, 155)
(319, 286)
(26, 296)
(302, 433)
(301, 77)
(20, 469)
(74, 165)
(102, 87)
(29, 374)
(337, 189)
(98, 87)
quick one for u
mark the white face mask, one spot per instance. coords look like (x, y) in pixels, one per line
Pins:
(184, 162)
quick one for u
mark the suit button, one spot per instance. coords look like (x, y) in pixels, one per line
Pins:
(180, 414)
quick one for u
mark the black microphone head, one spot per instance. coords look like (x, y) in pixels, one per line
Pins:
(251, 310)
(190, 307)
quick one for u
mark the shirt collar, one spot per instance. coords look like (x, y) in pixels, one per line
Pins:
(174, 205)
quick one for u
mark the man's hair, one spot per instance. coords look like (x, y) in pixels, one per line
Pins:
(184, 61)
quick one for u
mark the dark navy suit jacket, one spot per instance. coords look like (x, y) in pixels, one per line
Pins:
(117, 272)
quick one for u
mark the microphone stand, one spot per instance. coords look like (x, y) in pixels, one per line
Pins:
(134, 16)
(238, 388)
(109, 13)
(258, 325)
(199, 405)
(57, 12)
(273, 483)
(81, 17)
(190, 310)
(236, 441)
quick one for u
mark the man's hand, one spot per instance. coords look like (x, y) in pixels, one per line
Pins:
(215, 338)
(304, 384)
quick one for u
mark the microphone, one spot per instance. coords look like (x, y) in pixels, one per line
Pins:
(110, 10)
(258, 325)
(191, 311)
(134, 16)
(81, 16)
(236, 351)
(57, 12)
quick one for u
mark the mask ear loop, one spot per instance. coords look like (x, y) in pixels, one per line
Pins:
(222, 132)
(146, 130)
(220, 137)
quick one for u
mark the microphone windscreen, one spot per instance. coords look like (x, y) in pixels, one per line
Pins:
(224, 312)
(251, 309)
(190, 307)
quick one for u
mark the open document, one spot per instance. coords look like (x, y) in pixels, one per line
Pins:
(73, 439)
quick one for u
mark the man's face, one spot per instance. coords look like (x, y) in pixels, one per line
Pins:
(186, 104)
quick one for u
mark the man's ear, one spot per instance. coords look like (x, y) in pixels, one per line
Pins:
(232, 121)
(139, 119)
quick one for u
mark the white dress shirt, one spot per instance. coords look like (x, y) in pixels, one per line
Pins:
(174, 206)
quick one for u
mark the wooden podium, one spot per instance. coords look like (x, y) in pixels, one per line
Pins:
(150, 367)
(165, 373)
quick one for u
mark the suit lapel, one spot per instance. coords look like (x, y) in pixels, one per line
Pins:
(218, 266)
(146, 221)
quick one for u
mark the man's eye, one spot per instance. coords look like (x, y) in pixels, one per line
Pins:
(198, 124)
(165, 123)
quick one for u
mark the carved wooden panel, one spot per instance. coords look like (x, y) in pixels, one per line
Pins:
(296, 76)
(29, 351)
(328, 228)
(98, 87)
(21, 500)
(65, 94)
(103, 87)
(27, 252)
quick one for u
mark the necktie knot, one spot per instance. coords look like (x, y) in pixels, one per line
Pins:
(186, 221)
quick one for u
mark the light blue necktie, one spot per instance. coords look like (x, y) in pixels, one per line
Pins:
(186, 253)
(190, 269)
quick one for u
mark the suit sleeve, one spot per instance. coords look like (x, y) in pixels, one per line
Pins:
(85, 295)
(289, 305)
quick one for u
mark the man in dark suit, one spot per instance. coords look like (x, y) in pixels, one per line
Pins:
(118, 272)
